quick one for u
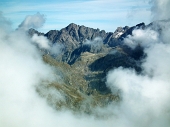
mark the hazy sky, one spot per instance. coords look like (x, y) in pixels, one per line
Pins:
(102, 14)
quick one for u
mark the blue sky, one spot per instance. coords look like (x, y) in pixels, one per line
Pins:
(102, 14)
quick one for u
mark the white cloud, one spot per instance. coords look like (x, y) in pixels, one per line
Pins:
(160, 9)
(41, 41)
(22, 70)
(32, 21)
(145, 100)
(96, 43)
(145, 97)
(144, 38)
(56, 49)
(107, 15)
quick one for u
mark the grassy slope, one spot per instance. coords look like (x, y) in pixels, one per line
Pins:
(74, 87)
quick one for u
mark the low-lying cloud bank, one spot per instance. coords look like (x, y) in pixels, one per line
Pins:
(22, 70)
(160, 9)
(145, 97)
(44, 44)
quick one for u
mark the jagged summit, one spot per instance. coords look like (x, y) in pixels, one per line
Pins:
(85, 60)
(72, 25)
(73, 37)
(77, 34)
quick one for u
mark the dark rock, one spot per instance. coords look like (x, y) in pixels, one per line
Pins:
(140, 26)
(112, 61)
(87, 57)
(137, 53)
(130, 30)
(32, 31)
(52, 35)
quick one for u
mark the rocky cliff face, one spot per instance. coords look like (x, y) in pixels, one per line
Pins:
(74, 38)
(84, 62)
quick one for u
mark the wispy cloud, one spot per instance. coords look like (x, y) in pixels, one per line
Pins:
(145, 97)
(106, 14)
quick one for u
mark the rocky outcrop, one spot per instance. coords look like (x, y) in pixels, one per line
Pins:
(74, 38)
(106, 50)
(84, 62)
(31, 32)
(75, 35)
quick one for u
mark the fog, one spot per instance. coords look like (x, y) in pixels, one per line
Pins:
(32, 21)
(160, 9)
(144, 97)
(22, 71)
(96, 43)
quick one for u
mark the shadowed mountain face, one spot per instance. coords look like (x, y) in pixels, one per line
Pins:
(85, 60)
(74, 38)
(75, 34)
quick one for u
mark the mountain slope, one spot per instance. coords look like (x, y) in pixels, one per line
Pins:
(84, 62)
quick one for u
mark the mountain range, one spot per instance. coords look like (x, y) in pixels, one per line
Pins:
(84, 61)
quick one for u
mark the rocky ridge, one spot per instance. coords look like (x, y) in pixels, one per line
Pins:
(84, 62)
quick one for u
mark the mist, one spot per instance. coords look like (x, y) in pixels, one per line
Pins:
(32, 21)
(160, 9)
(96, 44)
(22, 72)
(44, 44)
(144, 97)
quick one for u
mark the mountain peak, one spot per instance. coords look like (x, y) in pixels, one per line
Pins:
(72, 26)
(141, 25)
